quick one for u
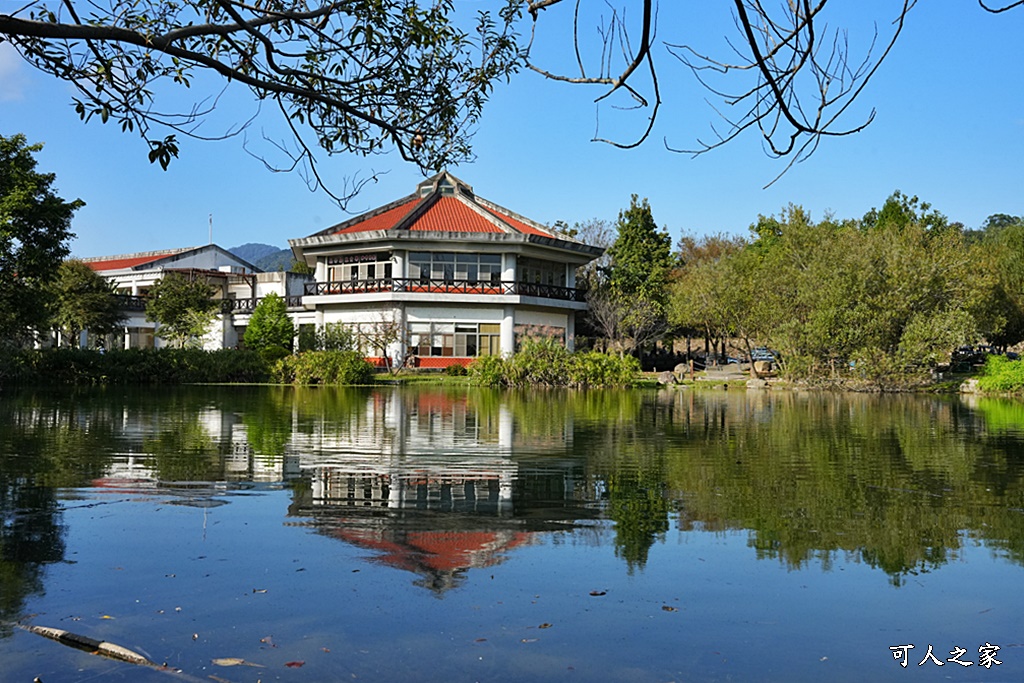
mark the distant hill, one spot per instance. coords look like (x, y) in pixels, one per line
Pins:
(264, 256)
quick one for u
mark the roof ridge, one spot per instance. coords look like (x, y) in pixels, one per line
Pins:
(372, 213)
(528, 222)
(140, 254)
(487, 215)
(423, 205)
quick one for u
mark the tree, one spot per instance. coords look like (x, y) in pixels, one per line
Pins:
(356, 76)
(789, 75)
(596, 232)
(35, 227)
(82, 299)
(1001, 313)
(366, 76)
(629, 308)
(387, 331)
(270, 327)
(714, 293)
(641, 257)
(183, 307)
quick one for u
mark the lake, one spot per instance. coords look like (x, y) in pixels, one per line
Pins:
(251, 534)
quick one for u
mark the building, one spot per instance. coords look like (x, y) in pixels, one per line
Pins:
(436, 278)
(236, 282)
(443, 276)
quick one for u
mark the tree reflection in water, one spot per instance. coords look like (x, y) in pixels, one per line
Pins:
(439, 480)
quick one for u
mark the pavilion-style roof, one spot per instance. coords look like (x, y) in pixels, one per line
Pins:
(441, 203)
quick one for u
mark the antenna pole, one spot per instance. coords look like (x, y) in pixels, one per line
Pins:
(211, 228)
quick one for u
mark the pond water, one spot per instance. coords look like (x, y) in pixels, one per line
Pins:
(432, 534)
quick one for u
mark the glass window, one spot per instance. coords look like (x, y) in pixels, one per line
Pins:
(451, 267)
(455, 339)
(540, 271)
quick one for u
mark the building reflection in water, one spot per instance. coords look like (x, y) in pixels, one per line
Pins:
(435, 484)
(429, 481)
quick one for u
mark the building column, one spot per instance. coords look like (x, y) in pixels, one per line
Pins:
(570, 331)
(508, 331)
(399, 268)
(508, 267)
(397, 350)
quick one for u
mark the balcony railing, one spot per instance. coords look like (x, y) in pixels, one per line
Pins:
(138, 303)
(249, 305)
(127, 302)
(444, 286)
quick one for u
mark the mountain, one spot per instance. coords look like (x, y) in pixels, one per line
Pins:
(264, 256)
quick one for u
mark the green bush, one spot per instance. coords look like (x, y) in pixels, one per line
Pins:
(324, 367)
(488, 371)
(132, 366)
(456, 370)
(544, 362)
(270, 327)
(272, 354)
(1003, 375)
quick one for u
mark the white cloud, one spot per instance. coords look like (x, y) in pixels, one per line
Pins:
(13, 79)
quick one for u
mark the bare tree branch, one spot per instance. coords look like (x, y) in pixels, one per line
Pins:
(790, 77)
(997, 10)
(364, 77)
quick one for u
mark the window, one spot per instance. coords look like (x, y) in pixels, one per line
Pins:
(455, 340)
(523, 332)
(541, 272)
(449, 267)
(356, 268)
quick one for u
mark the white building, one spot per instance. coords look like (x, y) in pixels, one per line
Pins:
(237, 283)
(461, 276)
(450, 275)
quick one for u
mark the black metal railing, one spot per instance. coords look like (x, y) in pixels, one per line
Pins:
(249, 305)
(127, 302)
(444, 286)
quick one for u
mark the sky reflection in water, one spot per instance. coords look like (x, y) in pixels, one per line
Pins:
(435, 534)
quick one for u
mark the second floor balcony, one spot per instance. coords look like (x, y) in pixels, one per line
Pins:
(128, 302)
(445, 286)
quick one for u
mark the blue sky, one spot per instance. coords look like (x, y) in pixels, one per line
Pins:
(949, 128)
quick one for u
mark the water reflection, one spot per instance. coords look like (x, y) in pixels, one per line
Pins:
(439, 481)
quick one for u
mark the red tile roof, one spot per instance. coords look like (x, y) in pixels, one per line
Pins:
(434, 210)
(381, 221)
(118, 262)
(518, 225)
(449, 214)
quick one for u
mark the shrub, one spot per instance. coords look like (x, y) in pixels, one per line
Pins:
(488, 371)
(1001, 374)
(546, 363)
(270, 326)
(456, 370)
(324, 367)
(272, 354)
(132, 366)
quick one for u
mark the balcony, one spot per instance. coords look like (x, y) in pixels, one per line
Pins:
(127, 302)
(445, 286)
(249, 305)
